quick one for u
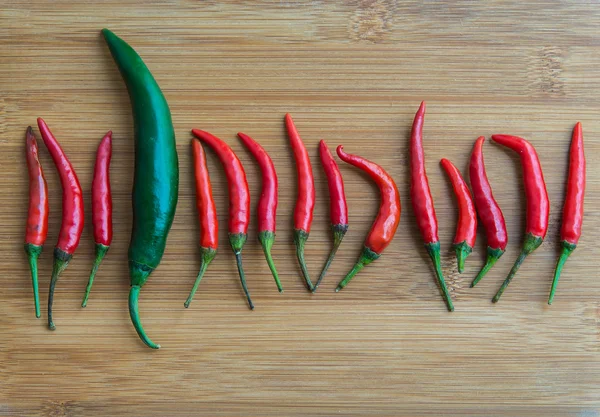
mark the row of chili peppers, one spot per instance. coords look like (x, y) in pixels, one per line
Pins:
(156, 184)
(481, 202)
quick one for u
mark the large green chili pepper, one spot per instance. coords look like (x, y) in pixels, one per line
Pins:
(156, 177)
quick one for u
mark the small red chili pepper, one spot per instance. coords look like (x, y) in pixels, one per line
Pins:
(305, 202)
(466, 228)
(101, 207)
(267, 204)
(422, 201)
(239, 199)
(338, 209)
(207, 215)
(386, 223)
(72, 212)
(37, 217)
(573, 208)
(538, 206)
(489, 211)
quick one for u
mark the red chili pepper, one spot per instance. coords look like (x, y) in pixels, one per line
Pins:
(489, 211)
(538, 206)
(305, 202)
(37, 217)
(422, 201)
(466, 228)
(101, 207)
(386, 223)
(267, 204)
(207, 215)
(338, 209)
(239, 199)
(573, 208)
(72, 212)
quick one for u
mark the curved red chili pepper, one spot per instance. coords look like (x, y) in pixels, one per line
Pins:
(239, 199)
(573, 208)
(207, 215)
(267, 204)
(72, 212)
(466, 227)
(488, 209)
(538, 206)
(422, 201)
(386, 223)
(101, 207)
(205, 204)
(37, 217)
(305, 202)
(338, 209)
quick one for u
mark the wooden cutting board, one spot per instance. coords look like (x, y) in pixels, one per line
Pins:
(352, 73)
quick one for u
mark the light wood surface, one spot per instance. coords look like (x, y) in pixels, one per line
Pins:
(350, 72)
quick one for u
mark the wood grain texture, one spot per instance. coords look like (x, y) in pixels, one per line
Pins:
(349, 72)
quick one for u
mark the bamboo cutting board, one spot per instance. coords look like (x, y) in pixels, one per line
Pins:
(349, 72)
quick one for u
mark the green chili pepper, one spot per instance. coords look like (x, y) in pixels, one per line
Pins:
(156, 176)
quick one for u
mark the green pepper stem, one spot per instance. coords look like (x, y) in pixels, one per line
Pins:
(434, 252)
(134, 293)
(100, 252)
(33, 253)
(462, 250)
(339, 230)
(61, 261)
(492, 257)
(300, 237)
(530, 244)
(206, 256)
(510, 276)
(238, 259)
(366, 257)
(237, 242)
(567, 249)
(266, 239)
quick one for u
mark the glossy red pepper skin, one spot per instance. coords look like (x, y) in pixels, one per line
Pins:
(36, 230)
(101, 208)
(338, 208)
(466, 227)
(538, 205)
(388, 218)
(305, 202)
(72, 212)
(422, 201)
(267, 204)
(488, 209)
(205, 204)
(239, 199)
(207, 215)
(573, 207)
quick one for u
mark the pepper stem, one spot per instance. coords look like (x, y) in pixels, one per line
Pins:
(33, 252)
(567, 249)
(237, 241)
(266, 239)
(492, 257)
(61, 261)
(366, 257)
(206, 256)
(300, 237)
(462, 250)
(100, 252)
(530, 244)
(238, 259)
(434, 252)
(134, 293)
(339, 230)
